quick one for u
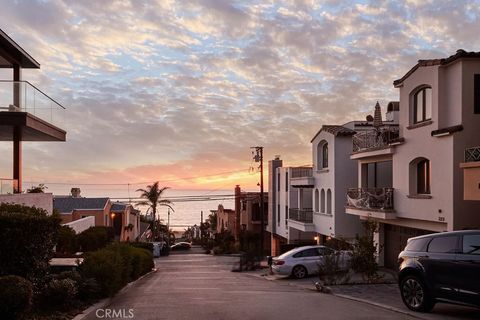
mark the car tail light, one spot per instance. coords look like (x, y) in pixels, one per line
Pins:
(279, 262)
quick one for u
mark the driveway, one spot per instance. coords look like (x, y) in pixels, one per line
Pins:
(198, 286)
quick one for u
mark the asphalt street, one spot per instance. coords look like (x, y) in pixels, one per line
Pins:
(199, 286)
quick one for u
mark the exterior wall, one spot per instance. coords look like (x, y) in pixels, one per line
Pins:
(227, 216)
(39, 200)
(272, 191)
(420, 143)
(100, 216)
(284, 199)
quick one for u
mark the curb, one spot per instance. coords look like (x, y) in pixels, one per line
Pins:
(380, 305)
(105, 302)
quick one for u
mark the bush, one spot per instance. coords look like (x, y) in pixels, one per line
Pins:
(67, 241)
(144, 245)
(59, 294)
(95, 238)
(88, 288)
(364, 253)
(15, 296)
(27, 238)
(116, 265)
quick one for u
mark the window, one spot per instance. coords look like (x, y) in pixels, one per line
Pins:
(317, 200)
(422, 105)
(278, 215)
(325, 156)
(329, 201)
(286, 215)
(286, 182)
(443, 245)
(313, 252)
(418, 245)
(476, 94)
(278, 181)
(471, 244)
(322, 155)
(423, 177)
(322, 201)
(419, 176)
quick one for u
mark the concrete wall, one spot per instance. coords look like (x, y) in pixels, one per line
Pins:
(38, 200)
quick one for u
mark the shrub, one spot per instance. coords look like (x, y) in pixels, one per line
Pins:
(364, 253)
(59, 294)
(67, 240)
(87, 288)
(144, 245)
(114, 266)
(15, 296)
(27, 238)
(95, 238)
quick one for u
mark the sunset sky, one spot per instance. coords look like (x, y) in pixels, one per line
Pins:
(172, 90)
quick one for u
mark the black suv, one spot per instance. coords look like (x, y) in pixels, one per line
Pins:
(440, 267)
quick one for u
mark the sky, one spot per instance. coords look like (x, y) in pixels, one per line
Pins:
(178, 91)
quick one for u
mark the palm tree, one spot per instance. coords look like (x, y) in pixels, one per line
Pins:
(152, 196)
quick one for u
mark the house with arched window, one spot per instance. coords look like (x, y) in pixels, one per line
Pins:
(410, 178)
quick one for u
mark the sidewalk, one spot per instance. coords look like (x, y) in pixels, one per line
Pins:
(385, 295)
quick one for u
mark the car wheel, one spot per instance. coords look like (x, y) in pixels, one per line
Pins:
(299, 272)
(415, 294)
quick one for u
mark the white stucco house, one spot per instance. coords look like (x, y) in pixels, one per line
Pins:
(412, 182)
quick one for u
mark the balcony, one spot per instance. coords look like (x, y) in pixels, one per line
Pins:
(7, 186)
(301, 219)
(371, 202)
(472, 154)
(24, 106)
(302, 177)
(375, 139)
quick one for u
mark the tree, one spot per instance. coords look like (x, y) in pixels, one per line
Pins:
(152, 197)
(37, 189)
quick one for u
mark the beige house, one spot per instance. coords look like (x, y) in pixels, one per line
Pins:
(225, 219)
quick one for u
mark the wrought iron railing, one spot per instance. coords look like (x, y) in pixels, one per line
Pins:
(370, 198)
(302, 172)
(8, 186)
(373, 139)
(301, 215)
(22, 96)
(472, 154)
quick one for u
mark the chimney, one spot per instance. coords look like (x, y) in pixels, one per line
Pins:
(75, 192)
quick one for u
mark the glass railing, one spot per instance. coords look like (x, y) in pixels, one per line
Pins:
(301, 215)
(302, 172)
(8, 186)
(22, 96)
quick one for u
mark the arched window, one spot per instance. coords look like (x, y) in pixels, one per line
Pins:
(317, 200)
(322, 201)
(322, 155)
(419, 176)
(422, 104)
(329, 201)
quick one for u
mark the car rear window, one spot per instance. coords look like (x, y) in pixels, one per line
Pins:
(306, 253)
(471, 244)
(418, 245)
(443, 245)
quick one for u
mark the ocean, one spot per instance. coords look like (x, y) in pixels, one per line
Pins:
(188, 204)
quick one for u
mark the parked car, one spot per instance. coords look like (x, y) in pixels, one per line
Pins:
(303, 261)
(181, 246)
(440, 267)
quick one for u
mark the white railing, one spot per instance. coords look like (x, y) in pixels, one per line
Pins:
(374, 139)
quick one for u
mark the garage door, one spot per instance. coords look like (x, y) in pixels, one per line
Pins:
(395, 241)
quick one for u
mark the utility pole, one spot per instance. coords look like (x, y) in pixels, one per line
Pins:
(258, 157)
(201, 223)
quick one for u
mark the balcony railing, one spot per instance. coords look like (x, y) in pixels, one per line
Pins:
(22, 96)
(370, 198)
(301, 215)
(472, 154)
(302, 172)
(374, 139)
(8, 186)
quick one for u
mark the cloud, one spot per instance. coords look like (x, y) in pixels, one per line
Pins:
(165, 89)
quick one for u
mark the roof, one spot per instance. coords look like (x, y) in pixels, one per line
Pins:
(336, 130)
(433, 62)
(11, 53)
(69, 204)
(118, 207)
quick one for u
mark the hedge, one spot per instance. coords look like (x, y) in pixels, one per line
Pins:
(144, 245)
(15, 296)
(27, 238)
(116, 265)
(95, 238)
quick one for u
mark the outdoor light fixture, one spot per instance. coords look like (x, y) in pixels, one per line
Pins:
(112, 215)
(315, 238)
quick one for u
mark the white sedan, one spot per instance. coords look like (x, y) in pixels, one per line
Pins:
(303, 261)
